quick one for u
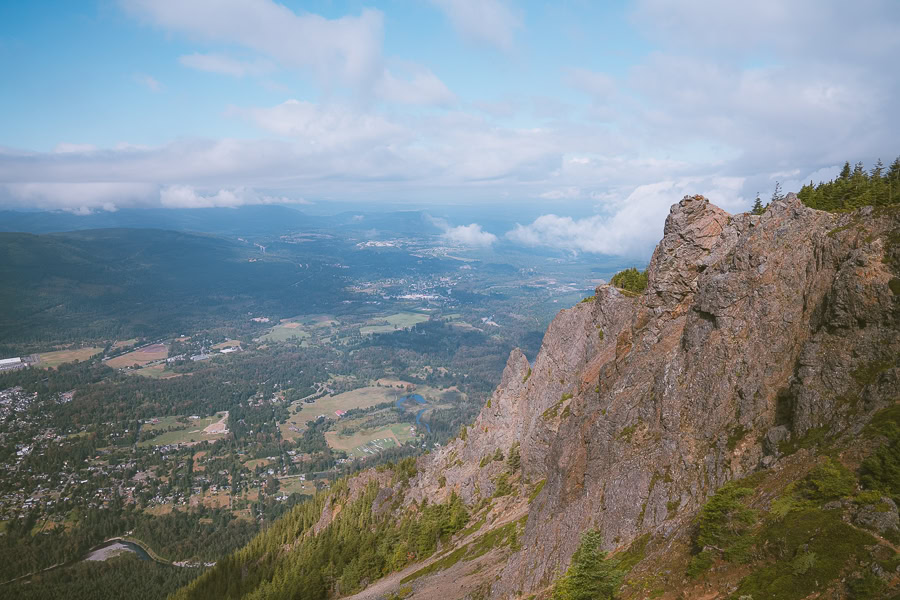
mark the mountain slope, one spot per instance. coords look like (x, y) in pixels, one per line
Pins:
(110, 283)
(762, 344)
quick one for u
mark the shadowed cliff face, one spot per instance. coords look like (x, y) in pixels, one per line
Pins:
(753, 330)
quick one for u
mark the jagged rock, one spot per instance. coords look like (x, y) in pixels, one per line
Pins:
(881, 517)
(752, 330)
(773, 438)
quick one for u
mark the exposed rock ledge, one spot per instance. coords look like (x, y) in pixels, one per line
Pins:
(637, 409)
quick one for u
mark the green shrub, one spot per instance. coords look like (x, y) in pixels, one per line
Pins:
(503, 486)
(807, 550)
(536, 490)
(700, 563)
(627, 432)
(590, 576)
(828, 481)
(880, 471)
(630, 280)
(725, 526)
(867, 587)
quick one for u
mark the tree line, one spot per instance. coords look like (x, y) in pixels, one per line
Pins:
(855, 187)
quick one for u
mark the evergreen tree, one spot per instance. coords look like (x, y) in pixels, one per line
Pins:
(590, 576)
(845, 172)
(777, 195)
(758, 207)
(514, 460)
(856, 188)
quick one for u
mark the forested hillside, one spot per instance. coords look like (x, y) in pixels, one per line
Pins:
(124, 283)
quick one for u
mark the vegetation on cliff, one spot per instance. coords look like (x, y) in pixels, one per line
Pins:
(855, 187)
(812, 534)
(358, 546)
(630, 280)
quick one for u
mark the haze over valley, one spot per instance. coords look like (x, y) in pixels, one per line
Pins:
(449, 299)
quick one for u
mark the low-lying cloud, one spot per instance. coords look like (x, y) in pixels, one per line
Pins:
(633, 226)
(470, 235)
(463, 235)
(185, 196)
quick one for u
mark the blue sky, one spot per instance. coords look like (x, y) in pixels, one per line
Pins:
(606, 112)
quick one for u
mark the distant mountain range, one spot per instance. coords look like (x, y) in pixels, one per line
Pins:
(243, 220)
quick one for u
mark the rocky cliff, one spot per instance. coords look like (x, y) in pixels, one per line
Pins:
(752, 332)
(762, 344)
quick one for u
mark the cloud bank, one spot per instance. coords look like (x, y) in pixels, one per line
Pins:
(723, 99)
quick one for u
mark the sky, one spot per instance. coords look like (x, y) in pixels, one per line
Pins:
(599, 114)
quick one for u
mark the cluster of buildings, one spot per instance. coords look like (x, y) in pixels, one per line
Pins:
(17, 362)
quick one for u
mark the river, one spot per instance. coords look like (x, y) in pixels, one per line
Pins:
(418, 399)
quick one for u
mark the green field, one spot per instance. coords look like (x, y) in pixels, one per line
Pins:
(370, 441)
(54, 359)
(360, 398)
(401, 320)
(167, 422)
(191, 432)
(293, 485)
(285, 332)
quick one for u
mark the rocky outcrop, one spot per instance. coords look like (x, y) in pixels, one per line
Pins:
(753, 332)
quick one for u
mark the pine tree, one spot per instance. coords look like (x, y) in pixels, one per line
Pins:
(514, 460)
(777, 195)
(845, 172)
(758, 207)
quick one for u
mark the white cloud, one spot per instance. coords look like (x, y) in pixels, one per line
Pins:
(566, 193)
(325, 127)
(346, 51)
(149, 82)
(348, 48)
(79, 197)
(635, 224)
(772, 95)
(185, 196)
(470, 235)
(490, 22)
(421, 87)
(466, 235)
(225, 65)
(599, 86)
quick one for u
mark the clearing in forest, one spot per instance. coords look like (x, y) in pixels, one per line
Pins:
(394, 322)
(52, 360)
(364, 397)
(192, 431)
(285, 332)
(370, 441)
(139, 357)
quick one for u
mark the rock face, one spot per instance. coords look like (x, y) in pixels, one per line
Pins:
(753, 332)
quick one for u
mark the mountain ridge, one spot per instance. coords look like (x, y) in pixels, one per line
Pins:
(757, 336)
